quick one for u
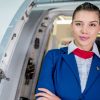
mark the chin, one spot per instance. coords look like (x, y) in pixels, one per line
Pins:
(85, 45)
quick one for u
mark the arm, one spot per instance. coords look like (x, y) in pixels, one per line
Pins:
(46, 95)
(46, 78)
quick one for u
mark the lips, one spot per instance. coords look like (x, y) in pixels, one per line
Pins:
(83, 38)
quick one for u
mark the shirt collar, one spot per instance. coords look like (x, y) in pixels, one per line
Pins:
(95, 50)
(72, 47)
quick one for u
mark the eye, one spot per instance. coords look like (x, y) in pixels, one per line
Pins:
(92, 24)
(77, 24)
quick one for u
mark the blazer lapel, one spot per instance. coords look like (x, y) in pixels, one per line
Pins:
(94, 72)
(70, 60)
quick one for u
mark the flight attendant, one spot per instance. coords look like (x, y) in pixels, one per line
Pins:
(73, 72)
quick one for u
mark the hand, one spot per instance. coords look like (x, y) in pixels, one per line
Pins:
(46, 95)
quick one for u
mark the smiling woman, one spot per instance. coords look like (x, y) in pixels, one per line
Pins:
(85, 28)
(69, 73)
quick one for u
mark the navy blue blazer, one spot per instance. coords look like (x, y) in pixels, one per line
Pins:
(59, 74)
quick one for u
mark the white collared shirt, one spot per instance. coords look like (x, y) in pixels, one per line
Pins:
(83, 64)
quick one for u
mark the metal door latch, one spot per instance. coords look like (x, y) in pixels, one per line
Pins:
(3, 76)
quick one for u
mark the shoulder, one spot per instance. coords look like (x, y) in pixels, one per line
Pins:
(53, 55)
(58, 51)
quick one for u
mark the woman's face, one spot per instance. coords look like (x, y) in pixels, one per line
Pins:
(85, 27)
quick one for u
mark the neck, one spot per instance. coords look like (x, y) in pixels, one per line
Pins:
(85, 48)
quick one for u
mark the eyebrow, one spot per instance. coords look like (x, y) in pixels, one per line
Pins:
(90, 21)
(95, 21)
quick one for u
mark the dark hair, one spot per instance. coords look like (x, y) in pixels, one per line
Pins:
(88, 7)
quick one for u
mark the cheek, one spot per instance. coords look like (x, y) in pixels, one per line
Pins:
(93, 36)
(75, 36)
(97, 30)
(94, 32)
(74, 31)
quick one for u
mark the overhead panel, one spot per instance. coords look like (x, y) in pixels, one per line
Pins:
(55, 1)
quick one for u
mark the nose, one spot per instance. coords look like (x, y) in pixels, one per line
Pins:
(84, 29)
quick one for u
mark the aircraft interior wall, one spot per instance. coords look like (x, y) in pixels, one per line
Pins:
(44, 30)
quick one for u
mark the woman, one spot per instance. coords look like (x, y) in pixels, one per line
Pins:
(73, 72)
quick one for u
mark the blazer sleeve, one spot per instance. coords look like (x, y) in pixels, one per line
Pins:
(46, 74)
